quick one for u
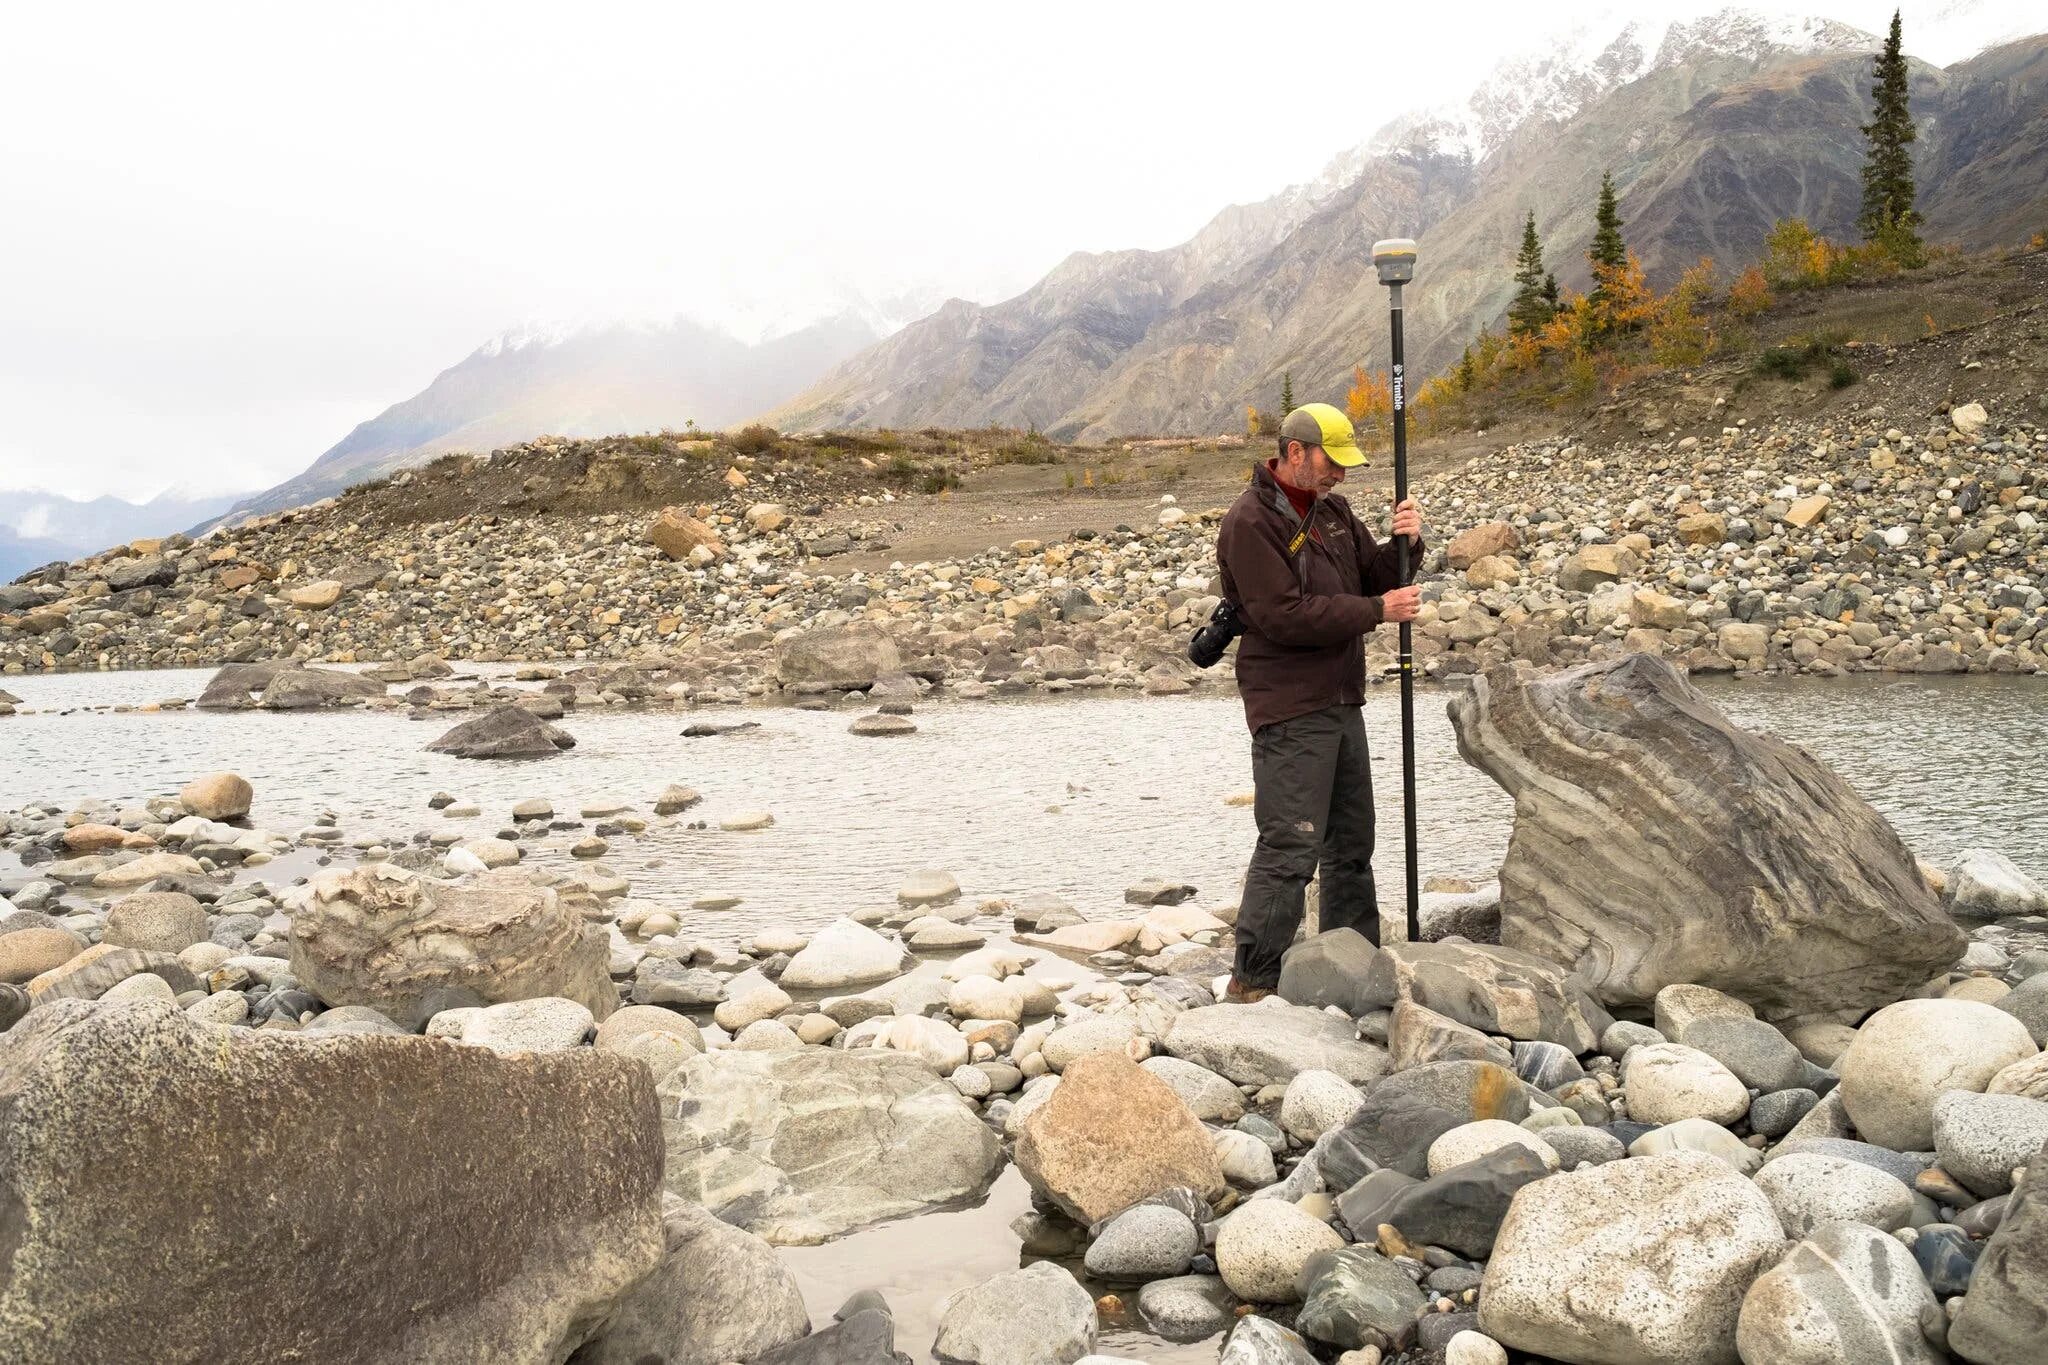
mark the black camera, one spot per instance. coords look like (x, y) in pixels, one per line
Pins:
(1225, 624)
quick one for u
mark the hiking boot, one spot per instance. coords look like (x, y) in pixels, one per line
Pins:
(1237, 993)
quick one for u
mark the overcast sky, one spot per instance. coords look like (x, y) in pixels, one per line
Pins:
(232, 232)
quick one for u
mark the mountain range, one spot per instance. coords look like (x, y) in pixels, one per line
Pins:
(38, 528)
(1713, 128)
(593, 380)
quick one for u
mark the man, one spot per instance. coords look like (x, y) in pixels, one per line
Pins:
(1310, 581)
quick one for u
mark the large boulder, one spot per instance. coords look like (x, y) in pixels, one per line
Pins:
(1270, 1043)
(1404, 1114)
(1980, 1139)
(1984, 884)
(378, 935)
(160, 921)
(843, 953)
(1908, 1053)
(1111, 1134)
(836, 658)
(1494, 990)
(1328, 969)
(1475, 543)
(422, 1201)
(1667, 1082)
(1637, 1262)
(217, 796)
(677, 534)
(801, 1146)
(1039, 1315)
(2004, 1318)
(1847, 1295)
(1762, 874)
(284, 687)
(503, 732)
(720, 1294)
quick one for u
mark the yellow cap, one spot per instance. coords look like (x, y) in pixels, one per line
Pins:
(1319, 424)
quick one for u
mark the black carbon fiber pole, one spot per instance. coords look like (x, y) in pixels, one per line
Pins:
(1395, 260)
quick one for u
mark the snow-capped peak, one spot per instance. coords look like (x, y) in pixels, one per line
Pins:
(1600, 53)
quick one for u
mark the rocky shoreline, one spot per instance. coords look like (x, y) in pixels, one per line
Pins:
(1780, 1105)
(1797, 547)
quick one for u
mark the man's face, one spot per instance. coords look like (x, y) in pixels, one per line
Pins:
(1311, 469)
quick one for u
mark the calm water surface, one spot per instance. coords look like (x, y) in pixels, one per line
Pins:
(1077, 796)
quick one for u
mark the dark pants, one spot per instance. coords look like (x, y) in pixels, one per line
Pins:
(1314, 806)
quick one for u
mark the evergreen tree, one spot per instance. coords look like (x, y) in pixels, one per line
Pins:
(1888, 218)
(1468, 371)
(1607, 248)
(1286, 392)
(1529, 311)
(1550, 291)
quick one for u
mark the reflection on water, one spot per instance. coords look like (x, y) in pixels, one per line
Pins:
(1079, 796)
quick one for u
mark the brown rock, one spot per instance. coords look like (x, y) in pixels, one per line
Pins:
(1807, 510)
(1595, 565)
(524, 1208)
(1657, 611)
(317, 596)
(1489, 538)
(217, 796)
(90, 838)
(234, 580)
(27, 954)
(1111, 1134)
(675, 534)
(378, 935)
(1703, 528)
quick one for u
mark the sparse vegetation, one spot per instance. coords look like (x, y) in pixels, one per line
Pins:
(754, 440)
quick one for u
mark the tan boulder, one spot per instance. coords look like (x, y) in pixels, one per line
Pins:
(234, 580)
(91, 838)
(676, 534)
(160, 921)
(1489, 538)
(217, 796)
(1594, 565)
(1110, 1134)
(1493, 571)
(316, 596)
(1657, 610)
(1085, 940)
(148, 868)
(378, 935)
(767, 516)
(1703, 528)
(1808, 510)
(27, 954)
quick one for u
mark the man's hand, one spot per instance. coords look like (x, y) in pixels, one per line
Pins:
(1401, 604)
(1408, 519)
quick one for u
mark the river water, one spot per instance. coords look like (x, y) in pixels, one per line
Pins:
(1078, 797)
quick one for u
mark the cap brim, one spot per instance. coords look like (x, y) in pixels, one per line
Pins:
(1349, 456)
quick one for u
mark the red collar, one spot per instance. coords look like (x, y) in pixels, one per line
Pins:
(1300, 500)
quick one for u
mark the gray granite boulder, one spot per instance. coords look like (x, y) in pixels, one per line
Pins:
(1038, 1315)
(526, 1207)
(1269, 1043)
(1328, 969)
(1981, 1138)
(2004, 1317)
(1847, 1295)
(799, 1147)
(1494, 990)
(719, 1294)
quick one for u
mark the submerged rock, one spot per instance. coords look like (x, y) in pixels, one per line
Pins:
(503, 732)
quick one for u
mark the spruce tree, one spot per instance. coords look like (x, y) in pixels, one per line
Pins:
(1286, 392)
(1550, 291)
(1608, 253)
(1529, 311)
(1888, 218)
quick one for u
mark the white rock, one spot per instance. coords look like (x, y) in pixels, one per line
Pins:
(928, 886)
(1096, 1033)
(1316, 1102)
(546, 1024)
(1474, 1348)
(1262, 1247)
(1246, 1161)
(1969, 419)
(933, 1041)
(843, 953)
(1470, 1141)
(1907, 1053)
(1984, 884)
(1811, 1188)
(748, 997)
(1981, 1138)
(984, 997)
(1667, 1082)
(1635, 1261)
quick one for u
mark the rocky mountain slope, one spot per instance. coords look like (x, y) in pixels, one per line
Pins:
(1713, 130)
(592, 381)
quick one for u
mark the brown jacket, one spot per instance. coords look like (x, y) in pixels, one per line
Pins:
(1304, 613)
